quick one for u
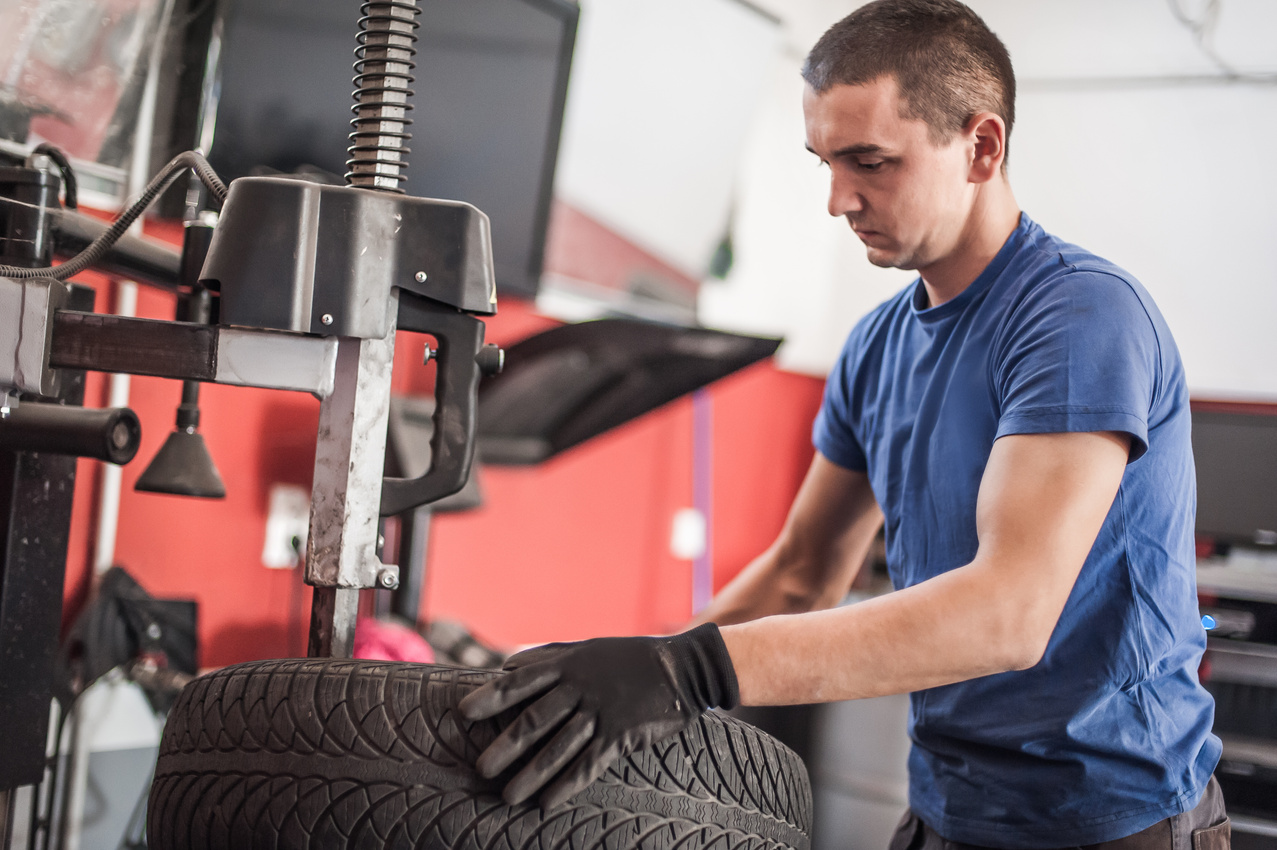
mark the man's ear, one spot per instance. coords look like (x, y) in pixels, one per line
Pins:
(987, 134)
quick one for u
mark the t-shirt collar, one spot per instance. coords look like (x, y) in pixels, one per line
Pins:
(929, 315)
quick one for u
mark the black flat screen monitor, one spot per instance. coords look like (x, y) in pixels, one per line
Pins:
(1236, 457)
(491, 79)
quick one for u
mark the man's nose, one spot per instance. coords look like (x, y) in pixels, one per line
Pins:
(844, 196)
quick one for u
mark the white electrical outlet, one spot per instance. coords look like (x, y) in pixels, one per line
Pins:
(688, 534)
(286, 526)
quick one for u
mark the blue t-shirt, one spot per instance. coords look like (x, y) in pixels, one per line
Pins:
(1111, 731)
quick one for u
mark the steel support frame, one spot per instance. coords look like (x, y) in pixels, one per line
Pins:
(351, 376)
(36, 492)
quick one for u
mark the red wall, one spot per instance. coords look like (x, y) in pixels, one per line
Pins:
(576, 547)
(579, 546)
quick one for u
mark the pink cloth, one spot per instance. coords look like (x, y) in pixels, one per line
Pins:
(377, 640)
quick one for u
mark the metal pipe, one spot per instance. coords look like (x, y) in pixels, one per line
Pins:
(414, 543)
(112, 476)
(141, 259)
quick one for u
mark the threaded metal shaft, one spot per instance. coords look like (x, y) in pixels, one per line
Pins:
(383, 74)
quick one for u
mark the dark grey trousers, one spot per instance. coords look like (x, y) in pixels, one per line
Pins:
(1205, 827)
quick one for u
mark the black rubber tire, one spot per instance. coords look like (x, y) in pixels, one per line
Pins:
(318, 753)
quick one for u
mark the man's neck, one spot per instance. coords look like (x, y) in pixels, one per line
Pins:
(994, 217)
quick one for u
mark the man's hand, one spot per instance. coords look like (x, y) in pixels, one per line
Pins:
(596, 701)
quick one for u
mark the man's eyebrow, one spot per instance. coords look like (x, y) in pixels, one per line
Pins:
(860, 150)
(854, 150)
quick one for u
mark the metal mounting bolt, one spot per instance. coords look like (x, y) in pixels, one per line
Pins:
(430, 354)
(326, 319)
(421, 277)
(388, 578)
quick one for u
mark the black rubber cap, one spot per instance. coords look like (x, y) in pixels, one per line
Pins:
(183, 467)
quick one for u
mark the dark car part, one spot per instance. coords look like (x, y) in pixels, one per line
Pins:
(574, 382)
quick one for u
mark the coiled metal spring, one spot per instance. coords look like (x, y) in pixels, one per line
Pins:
(383, 73)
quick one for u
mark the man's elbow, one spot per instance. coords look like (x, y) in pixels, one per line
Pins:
(799, 598)
(1019, 620)
(1024, 644)
(804, 581)
(1023, 655)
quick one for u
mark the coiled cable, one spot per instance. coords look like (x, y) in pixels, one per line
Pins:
(98, 247)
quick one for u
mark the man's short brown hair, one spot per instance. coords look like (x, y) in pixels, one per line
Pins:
(948, 64)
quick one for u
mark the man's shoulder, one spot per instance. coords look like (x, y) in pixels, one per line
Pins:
(1049, 269)
(1045, 256)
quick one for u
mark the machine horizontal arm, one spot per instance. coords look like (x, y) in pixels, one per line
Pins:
(188, 351)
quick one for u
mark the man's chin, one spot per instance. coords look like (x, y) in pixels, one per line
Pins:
(885, 259)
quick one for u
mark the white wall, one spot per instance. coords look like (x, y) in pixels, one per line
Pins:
(1122, 144)
(798, 272)
(1184, 198)
(1175, 181)
(660, 97)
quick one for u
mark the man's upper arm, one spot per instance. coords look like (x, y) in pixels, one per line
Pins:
(1042, 502)
(1082, 354)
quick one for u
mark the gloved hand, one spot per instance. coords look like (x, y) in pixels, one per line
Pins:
(605, 698)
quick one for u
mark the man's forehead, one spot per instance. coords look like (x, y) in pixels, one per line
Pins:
(867, 117)
(880, 93)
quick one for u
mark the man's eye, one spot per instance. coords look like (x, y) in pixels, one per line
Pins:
(869, 165)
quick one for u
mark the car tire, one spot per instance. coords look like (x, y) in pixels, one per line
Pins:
(324, 753)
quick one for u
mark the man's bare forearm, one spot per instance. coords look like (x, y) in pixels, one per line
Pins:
(762, 589)
(1042, 501)
(814, 559)
(952, 628)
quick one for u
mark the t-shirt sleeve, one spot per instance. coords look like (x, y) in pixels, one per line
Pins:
(1079, 354)
(832, 433)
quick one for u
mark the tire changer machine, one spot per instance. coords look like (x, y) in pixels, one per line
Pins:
(302, 288)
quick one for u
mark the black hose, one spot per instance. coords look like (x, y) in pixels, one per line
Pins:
(68, 174)
(99, 247)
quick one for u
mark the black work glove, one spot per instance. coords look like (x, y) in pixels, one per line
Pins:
(605, 698)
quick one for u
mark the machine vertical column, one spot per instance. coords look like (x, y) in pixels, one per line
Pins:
(334, 612)
(341, 550)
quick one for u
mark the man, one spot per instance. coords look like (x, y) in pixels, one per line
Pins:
(1019, 417)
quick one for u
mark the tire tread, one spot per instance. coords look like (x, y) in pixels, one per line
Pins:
(322, 753)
